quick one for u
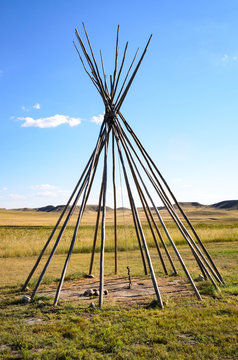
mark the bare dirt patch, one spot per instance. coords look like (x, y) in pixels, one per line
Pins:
(118, 289)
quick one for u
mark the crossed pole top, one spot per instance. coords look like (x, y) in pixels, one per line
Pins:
(113, 95)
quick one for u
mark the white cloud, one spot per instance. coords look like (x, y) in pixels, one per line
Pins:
(24, 108)
(97, 119)
(46, 194)
(16, 196)
(229, 58)
(36, 106)
(4, 189)
(43, 187)
(49, 122)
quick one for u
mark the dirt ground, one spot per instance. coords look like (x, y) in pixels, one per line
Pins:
(119, 291)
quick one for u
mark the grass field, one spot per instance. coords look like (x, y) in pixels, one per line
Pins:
(185, 329)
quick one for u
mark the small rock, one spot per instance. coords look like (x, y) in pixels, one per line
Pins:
(92, 305)
(106, 292)
(201, 277)
(96, 293)
(90, 276)
(26, 299)
(27, 289)
(88, 292)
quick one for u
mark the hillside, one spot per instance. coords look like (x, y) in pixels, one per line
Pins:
(223, 205)
(226, 205)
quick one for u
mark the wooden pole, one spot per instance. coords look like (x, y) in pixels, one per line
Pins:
(119, 73)
(119, 104)
(70, 211)
(151, 162)
(104, 75)
(154, 281)
(116, 60)
(101, 287)
(83, 204)
(137, 235)
(96, 230)
(123, 138)
(55, 227)
(115, 203)
(145, 206)
(169, 237)
(128, 72)
(179, 224)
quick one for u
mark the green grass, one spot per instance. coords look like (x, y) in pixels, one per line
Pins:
(18, 241)
(185, 329)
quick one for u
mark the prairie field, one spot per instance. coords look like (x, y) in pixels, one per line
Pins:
(130, 329)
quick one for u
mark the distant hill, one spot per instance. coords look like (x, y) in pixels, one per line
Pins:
(59, 208)
(223, 205)
(226, 205)
(189, 204)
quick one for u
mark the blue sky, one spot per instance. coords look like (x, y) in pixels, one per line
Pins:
(182, 104)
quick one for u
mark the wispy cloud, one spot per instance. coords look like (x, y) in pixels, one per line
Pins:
(97, 119)
(16, 196)
(229, 58)
(49, 122)
(51, 194)
(28, 108)
(43, 187)
(4, 189)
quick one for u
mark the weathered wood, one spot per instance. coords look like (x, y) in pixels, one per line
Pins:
(104, 75)
(137, 235)
(69, 213)
(101, 286)
(96, 230)
(116, 60)
(151, 162)
(55, 227)
(144, 205)
(154, 281)
(82, 208)
(180, 226)
(115, 204)
(128, 72)
(168, 234)
(119, 73)
(119, 104)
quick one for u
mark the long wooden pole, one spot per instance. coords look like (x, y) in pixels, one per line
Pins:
(101, 287)
(169, 236)
(70, 212)
(179, 224)
(82, 208)
(55, 227)
(145, 207)
(123, 138)
(119, 103)
(150, 163)
(154, 281)
(115, 204)
(96, 231)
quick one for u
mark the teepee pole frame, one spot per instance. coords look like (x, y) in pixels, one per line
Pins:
(137, 159)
